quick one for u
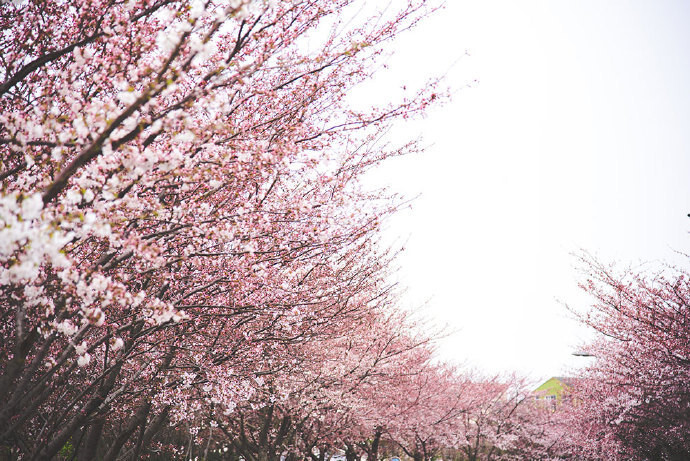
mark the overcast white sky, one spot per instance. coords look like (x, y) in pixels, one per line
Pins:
(576, 136)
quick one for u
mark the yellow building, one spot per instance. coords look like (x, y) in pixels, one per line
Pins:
(554, 388)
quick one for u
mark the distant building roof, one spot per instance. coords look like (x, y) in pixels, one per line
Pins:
(555, 386)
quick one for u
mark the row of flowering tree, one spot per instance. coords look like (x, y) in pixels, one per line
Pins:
(189, 265)
(181, 222)
(633, 401)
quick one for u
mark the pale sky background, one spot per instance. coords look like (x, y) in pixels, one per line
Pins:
(576, 136)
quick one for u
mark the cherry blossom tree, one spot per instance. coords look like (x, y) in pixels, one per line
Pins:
(314, 402)
(498, 418)
(489, 419)
(180, 207)
(424, 410)
(326, 403)
(634, 401)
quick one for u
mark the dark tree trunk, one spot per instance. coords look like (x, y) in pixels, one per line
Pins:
(373, 454)
(350, 453)
(139, 418)
(94, 435)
